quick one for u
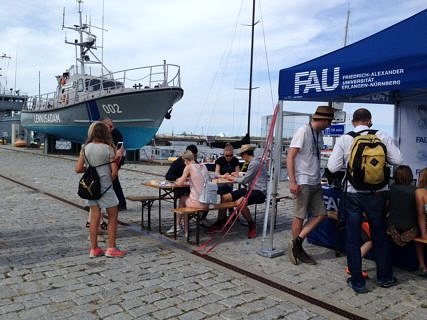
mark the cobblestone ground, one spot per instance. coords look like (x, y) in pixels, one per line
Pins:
(45, 271)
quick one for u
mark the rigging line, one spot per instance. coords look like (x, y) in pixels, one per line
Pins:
(223, 63)
(266, 55)
(225, 67)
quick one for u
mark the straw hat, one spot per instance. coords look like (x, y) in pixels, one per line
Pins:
(246, 147)
(324, 112)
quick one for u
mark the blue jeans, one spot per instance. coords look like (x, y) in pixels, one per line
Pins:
(373, 205)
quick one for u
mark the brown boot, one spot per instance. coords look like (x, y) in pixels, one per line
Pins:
(293, 252)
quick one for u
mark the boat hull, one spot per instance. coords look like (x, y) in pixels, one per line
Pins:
(138, 115)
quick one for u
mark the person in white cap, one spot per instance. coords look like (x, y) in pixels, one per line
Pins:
(303, 164)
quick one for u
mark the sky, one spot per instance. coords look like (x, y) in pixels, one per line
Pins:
(209, 40)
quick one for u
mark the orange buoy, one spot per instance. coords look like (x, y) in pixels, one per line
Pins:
(20, 143)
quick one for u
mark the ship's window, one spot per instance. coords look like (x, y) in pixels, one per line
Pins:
(95, 84)
(111, 84)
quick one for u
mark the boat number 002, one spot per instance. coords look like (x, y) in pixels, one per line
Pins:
(111, 108)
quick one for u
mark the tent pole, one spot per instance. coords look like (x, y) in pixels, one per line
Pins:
(275, 162)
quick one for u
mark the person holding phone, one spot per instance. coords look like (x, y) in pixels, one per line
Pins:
(118, 143)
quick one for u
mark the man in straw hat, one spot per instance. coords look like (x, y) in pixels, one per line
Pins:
(303, 163)
(259, 192)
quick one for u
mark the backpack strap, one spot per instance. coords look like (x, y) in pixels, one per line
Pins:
(106, 190)
(84, 153)
(100, 165)
(355, 134)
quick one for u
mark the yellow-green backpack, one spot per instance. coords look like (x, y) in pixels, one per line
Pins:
(367, 164)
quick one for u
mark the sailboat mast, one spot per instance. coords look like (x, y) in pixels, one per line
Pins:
(250, 69)
(346, 27)
(82, 65)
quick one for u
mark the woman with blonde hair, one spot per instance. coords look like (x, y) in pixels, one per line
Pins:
(194, 175)
(421, 201)
(99, 152)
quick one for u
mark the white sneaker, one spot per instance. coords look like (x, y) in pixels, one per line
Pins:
(170, 231)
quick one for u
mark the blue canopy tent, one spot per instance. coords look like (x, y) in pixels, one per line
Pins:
(387, 67)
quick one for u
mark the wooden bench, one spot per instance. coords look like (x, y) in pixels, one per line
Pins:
(196, 214)
(420, 240)
(146, 202)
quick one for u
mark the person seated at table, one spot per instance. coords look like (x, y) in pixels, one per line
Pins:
(258, 193)
(175, 171)
(421, 203)
(195, 175)
(226, 165)
(402, 212)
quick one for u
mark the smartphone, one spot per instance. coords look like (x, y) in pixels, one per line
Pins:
(119, 144)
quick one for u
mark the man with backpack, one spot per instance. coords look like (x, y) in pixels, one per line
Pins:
(365, 154)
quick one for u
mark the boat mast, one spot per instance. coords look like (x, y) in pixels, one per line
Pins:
(346, 27)
(4, 56)
(82, 52)
(250, 70)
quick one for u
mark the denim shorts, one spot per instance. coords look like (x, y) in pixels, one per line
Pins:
(108, 200)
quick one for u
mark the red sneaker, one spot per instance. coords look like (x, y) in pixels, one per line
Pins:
(114, 253)
(252, 230)
(93, 253)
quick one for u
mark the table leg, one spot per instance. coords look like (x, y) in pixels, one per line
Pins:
(198, 227)
(150, 204)
(160, 211)
(142, 214)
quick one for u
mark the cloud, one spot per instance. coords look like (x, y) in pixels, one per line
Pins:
(207, 39)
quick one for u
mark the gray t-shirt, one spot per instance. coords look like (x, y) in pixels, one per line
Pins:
(97, 154)
(262, 181)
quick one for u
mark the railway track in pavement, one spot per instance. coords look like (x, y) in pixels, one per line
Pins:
(216, 260)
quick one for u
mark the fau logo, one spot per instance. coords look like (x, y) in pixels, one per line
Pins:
(309, 80)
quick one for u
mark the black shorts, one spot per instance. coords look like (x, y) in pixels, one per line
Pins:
(179, 192)
(224, 188)
(256, 196)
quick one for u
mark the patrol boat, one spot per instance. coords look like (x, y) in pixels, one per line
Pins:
(11, 104)
(137, 100)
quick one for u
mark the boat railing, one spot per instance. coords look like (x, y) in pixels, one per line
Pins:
(142, 78)
(42, 102)
(162, 75)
